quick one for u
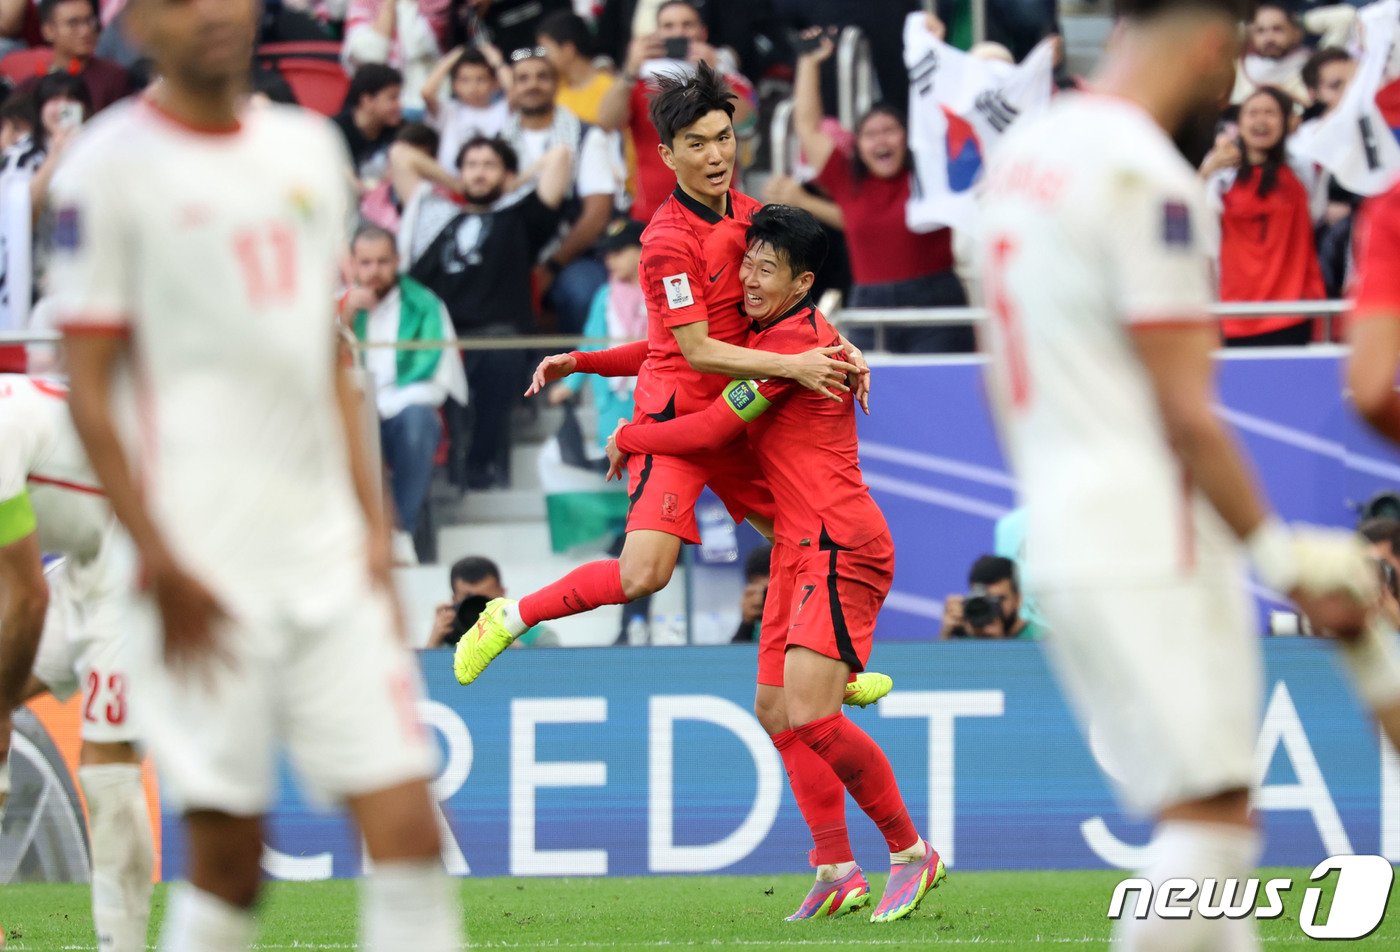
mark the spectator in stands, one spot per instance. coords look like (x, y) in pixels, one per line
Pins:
(477, 258)
(569, 275)
(60, 105)
(992, 606)
(619, 313)
(475, 577)
(385, 307)
(1275, 54)
(882, 24)
(625, 106)
(1383, 538)
(1266, 238)
(382, 205)
(399, 33)
(568, 45)
(13, 16)
(513, 24)
(70, 27)
(370, 120)
(756, 573)
(473, 106)
(891, 266)
(1326, 75)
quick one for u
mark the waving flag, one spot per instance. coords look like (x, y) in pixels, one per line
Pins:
(959, 106)
(1359, 141)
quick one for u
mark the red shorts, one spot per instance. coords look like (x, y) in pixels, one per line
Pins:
(826, 600)
(663, 489)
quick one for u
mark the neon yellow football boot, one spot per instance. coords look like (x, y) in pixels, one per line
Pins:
(867, 688)
(482, 642)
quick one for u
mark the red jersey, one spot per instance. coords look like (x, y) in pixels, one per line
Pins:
(880, 244)
(805, 442)
(690, 273)
(1267, 251)
(1378, 257)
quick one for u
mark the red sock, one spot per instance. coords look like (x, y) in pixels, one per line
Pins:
(865, 770)
(820, 796)
(582, 590)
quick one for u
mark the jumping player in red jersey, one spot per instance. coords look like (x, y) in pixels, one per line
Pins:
(833, 561)
(1374, 330)
(689, 270)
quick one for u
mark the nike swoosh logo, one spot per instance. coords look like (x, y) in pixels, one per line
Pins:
(715, 277)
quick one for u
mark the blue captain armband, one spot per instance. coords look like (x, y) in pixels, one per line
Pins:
(745, 400)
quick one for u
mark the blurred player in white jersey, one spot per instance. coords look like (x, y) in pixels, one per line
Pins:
(50, 503)
(197, 243)
(1140, 504)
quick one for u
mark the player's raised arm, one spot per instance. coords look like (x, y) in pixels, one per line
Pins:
(739, 405)
(624, 360)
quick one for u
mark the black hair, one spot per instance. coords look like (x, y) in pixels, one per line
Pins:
(1312, 69)
(48, 8)
(1382, 529)
(419, 135)
(682, 101)
(1274, 5)
(269, 82)
(1237, 10)
(859, 170)
(502, 149)
(793, 232)
(473, 569)
(759, 564)
(990, 569)
(371, 80)
(372, 232)
(18, 107)
(565, 26)
(53, 86)
(695, 5)
(1277, 156)
(471, 56)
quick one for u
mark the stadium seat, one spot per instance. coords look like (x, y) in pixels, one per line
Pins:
(269, 53)
(317, 84)
(23, 64)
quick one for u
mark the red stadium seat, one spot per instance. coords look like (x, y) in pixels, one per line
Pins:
(24, 64)
(317, 84)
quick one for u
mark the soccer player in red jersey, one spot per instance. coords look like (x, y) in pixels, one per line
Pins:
(1374, 332)
(690, 273)
(833, 561)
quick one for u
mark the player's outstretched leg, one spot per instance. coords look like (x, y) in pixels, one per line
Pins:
(645, 566)
(122, 855)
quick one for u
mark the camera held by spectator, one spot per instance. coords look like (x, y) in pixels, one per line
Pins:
(992, 606)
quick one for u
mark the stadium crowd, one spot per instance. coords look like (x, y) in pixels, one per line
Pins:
(494, 141)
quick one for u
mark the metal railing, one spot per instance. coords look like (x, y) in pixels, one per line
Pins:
(842, 317)
(856, 86)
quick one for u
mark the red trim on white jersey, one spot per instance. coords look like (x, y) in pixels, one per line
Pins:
(95, 327)
(65, 484)
(168, 117)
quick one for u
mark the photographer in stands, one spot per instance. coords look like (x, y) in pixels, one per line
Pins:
(475, 580)
(992, 606)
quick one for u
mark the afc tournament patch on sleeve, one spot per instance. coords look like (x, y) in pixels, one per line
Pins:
(677, 288)
(66, 230)
(1176, 224)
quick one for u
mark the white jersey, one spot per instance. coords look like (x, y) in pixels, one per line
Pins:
(1093, 224)
(217, 252)
(40, 455)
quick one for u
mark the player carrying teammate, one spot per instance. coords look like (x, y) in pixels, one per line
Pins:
(50, 503)
(262, 542)
(833, 561)
(1138, 498)
(690, 274)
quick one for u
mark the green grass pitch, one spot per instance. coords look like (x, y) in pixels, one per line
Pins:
(981, 910)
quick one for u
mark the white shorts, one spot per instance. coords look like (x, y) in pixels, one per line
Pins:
(1166, 680)
(327, 681)
(86, 644)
